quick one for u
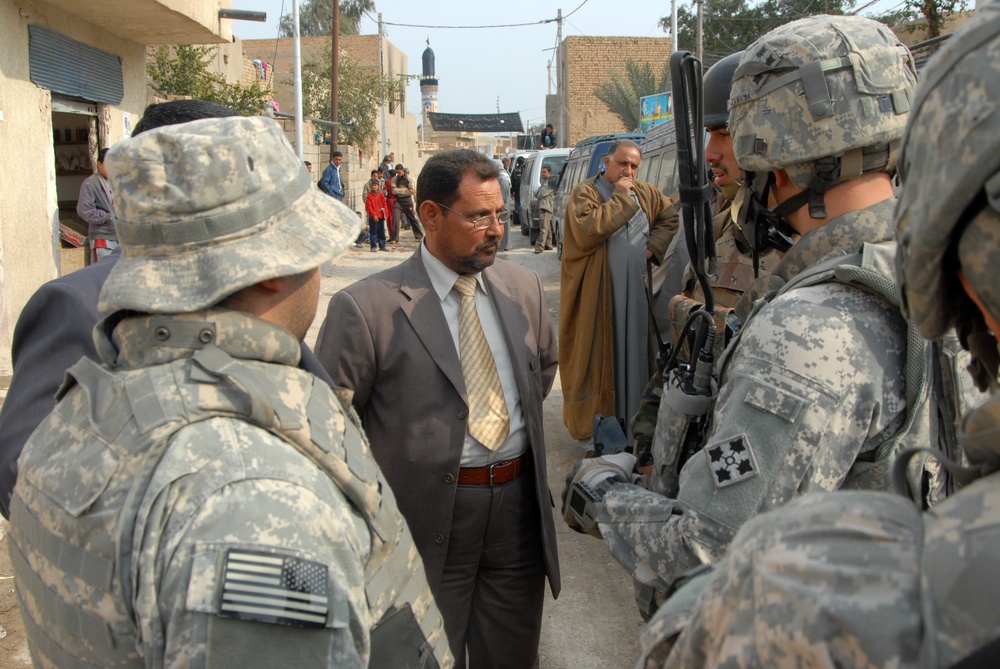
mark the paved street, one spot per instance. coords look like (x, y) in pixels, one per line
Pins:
(594, 623)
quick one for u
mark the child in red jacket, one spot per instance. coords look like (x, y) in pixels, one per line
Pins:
(375, 205)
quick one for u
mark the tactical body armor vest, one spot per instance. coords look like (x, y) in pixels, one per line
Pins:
(933, 370)
(74, 512)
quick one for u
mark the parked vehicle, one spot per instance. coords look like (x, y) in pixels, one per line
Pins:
(531, 180)
(516, 170)
(585, 161)
(659, 158)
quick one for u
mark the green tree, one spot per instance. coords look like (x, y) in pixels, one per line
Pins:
(621, 94)
(316, 18)
(731, 25)
(929, 15)
(362, 92)
(183, 70)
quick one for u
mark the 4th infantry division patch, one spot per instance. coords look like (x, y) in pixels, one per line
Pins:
(731, 460)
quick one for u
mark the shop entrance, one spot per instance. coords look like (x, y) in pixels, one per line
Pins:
(74, 139)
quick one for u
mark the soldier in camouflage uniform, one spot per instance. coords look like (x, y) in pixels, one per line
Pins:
(863, 579)
(814, 394)
(197, 500)
(735, 262)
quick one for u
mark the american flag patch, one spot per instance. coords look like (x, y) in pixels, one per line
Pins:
(269, 588)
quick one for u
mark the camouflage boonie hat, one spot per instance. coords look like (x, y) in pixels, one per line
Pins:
(819, 88)
(950, 164)
(213, 206)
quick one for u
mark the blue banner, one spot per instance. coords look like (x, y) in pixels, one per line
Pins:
(654, 110)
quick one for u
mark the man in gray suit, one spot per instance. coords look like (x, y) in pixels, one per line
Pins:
(403, 340)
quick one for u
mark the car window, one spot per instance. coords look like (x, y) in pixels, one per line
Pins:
(554, 163)
(650, 168)
(667, 181)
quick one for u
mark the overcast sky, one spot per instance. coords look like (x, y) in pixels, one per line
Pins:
(481, 68)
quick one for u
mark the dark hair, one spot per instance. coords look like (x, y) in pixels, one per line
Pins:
(335, 154)
(613, 149)
(442, 174)
(374, 172)
(179, 111)
(548, 125)
(308, 164)
(101, 154)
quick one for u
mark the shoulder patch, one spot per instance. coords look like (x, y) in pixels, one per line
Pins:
(731, 460)
(272, 588)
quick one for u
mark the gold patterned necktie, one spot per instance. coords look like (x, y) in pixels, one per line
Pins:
(488, 419)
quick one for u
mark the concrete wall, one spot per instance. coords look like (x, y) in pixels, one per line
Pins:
(29, 241)
(28, 227)
(582, 70)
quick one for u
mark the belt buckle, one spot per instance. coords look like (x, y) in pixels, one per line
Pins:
(499, 464)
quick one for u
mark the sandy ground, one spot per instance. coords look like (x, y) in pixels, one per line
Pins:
(593, 625)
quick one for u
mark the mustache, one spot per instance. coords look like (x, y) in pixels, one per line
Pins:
(488, 243)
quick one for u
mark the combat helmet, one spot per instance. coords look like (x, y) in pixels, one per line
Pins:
(824, 98)
(716, 86)
(948, 216)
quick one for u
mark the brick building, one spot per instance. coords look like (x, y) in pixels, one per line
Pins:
(584, 64)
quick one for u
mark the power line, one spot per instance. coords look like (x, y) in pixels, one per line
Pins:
(504, 25)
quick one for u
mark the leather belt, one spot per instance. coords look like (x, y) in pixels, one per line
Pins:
(498, 472)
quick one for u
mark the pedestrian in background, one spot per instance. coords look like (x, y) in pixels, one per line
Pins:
(96, 206)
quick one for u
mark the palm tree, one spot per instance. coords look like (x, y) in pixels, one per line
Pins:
(316, 17)
(621, 94)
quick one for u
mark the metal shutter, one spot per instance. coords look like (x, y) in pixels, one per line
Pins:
(64, 65)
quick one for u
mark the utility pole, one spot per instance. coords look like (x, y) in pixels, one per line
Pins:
(381, 76)
(560, 93)
(701, 4)
(297, 77)
(673, 25)
(335, 77)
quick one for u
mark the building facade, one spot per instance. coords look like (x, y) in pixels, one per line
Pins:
(400, 126)
(583, 66)
(72, 81)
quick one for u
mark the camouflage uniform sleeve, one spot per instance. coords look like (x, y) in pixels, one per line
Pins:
(254, 558)
(829, 580)
(817, 379)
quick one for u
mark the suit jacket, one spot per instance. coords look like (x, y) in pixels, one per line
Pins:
(54, 330)
(386, 338)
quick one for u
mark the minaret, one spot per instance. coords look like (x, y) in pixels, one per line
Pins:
(428, 83)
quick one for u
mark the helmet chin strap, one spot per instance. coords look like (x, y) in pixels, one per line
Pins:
(763, 227)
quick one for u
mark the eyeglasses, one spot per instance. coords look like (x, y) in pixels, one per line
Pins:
(483, 222)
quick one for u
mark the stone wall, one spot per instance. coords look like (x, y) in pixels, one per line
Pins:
(585, 63)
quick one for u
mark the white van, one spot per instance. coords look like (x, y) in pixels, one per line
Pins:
(531, 181)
